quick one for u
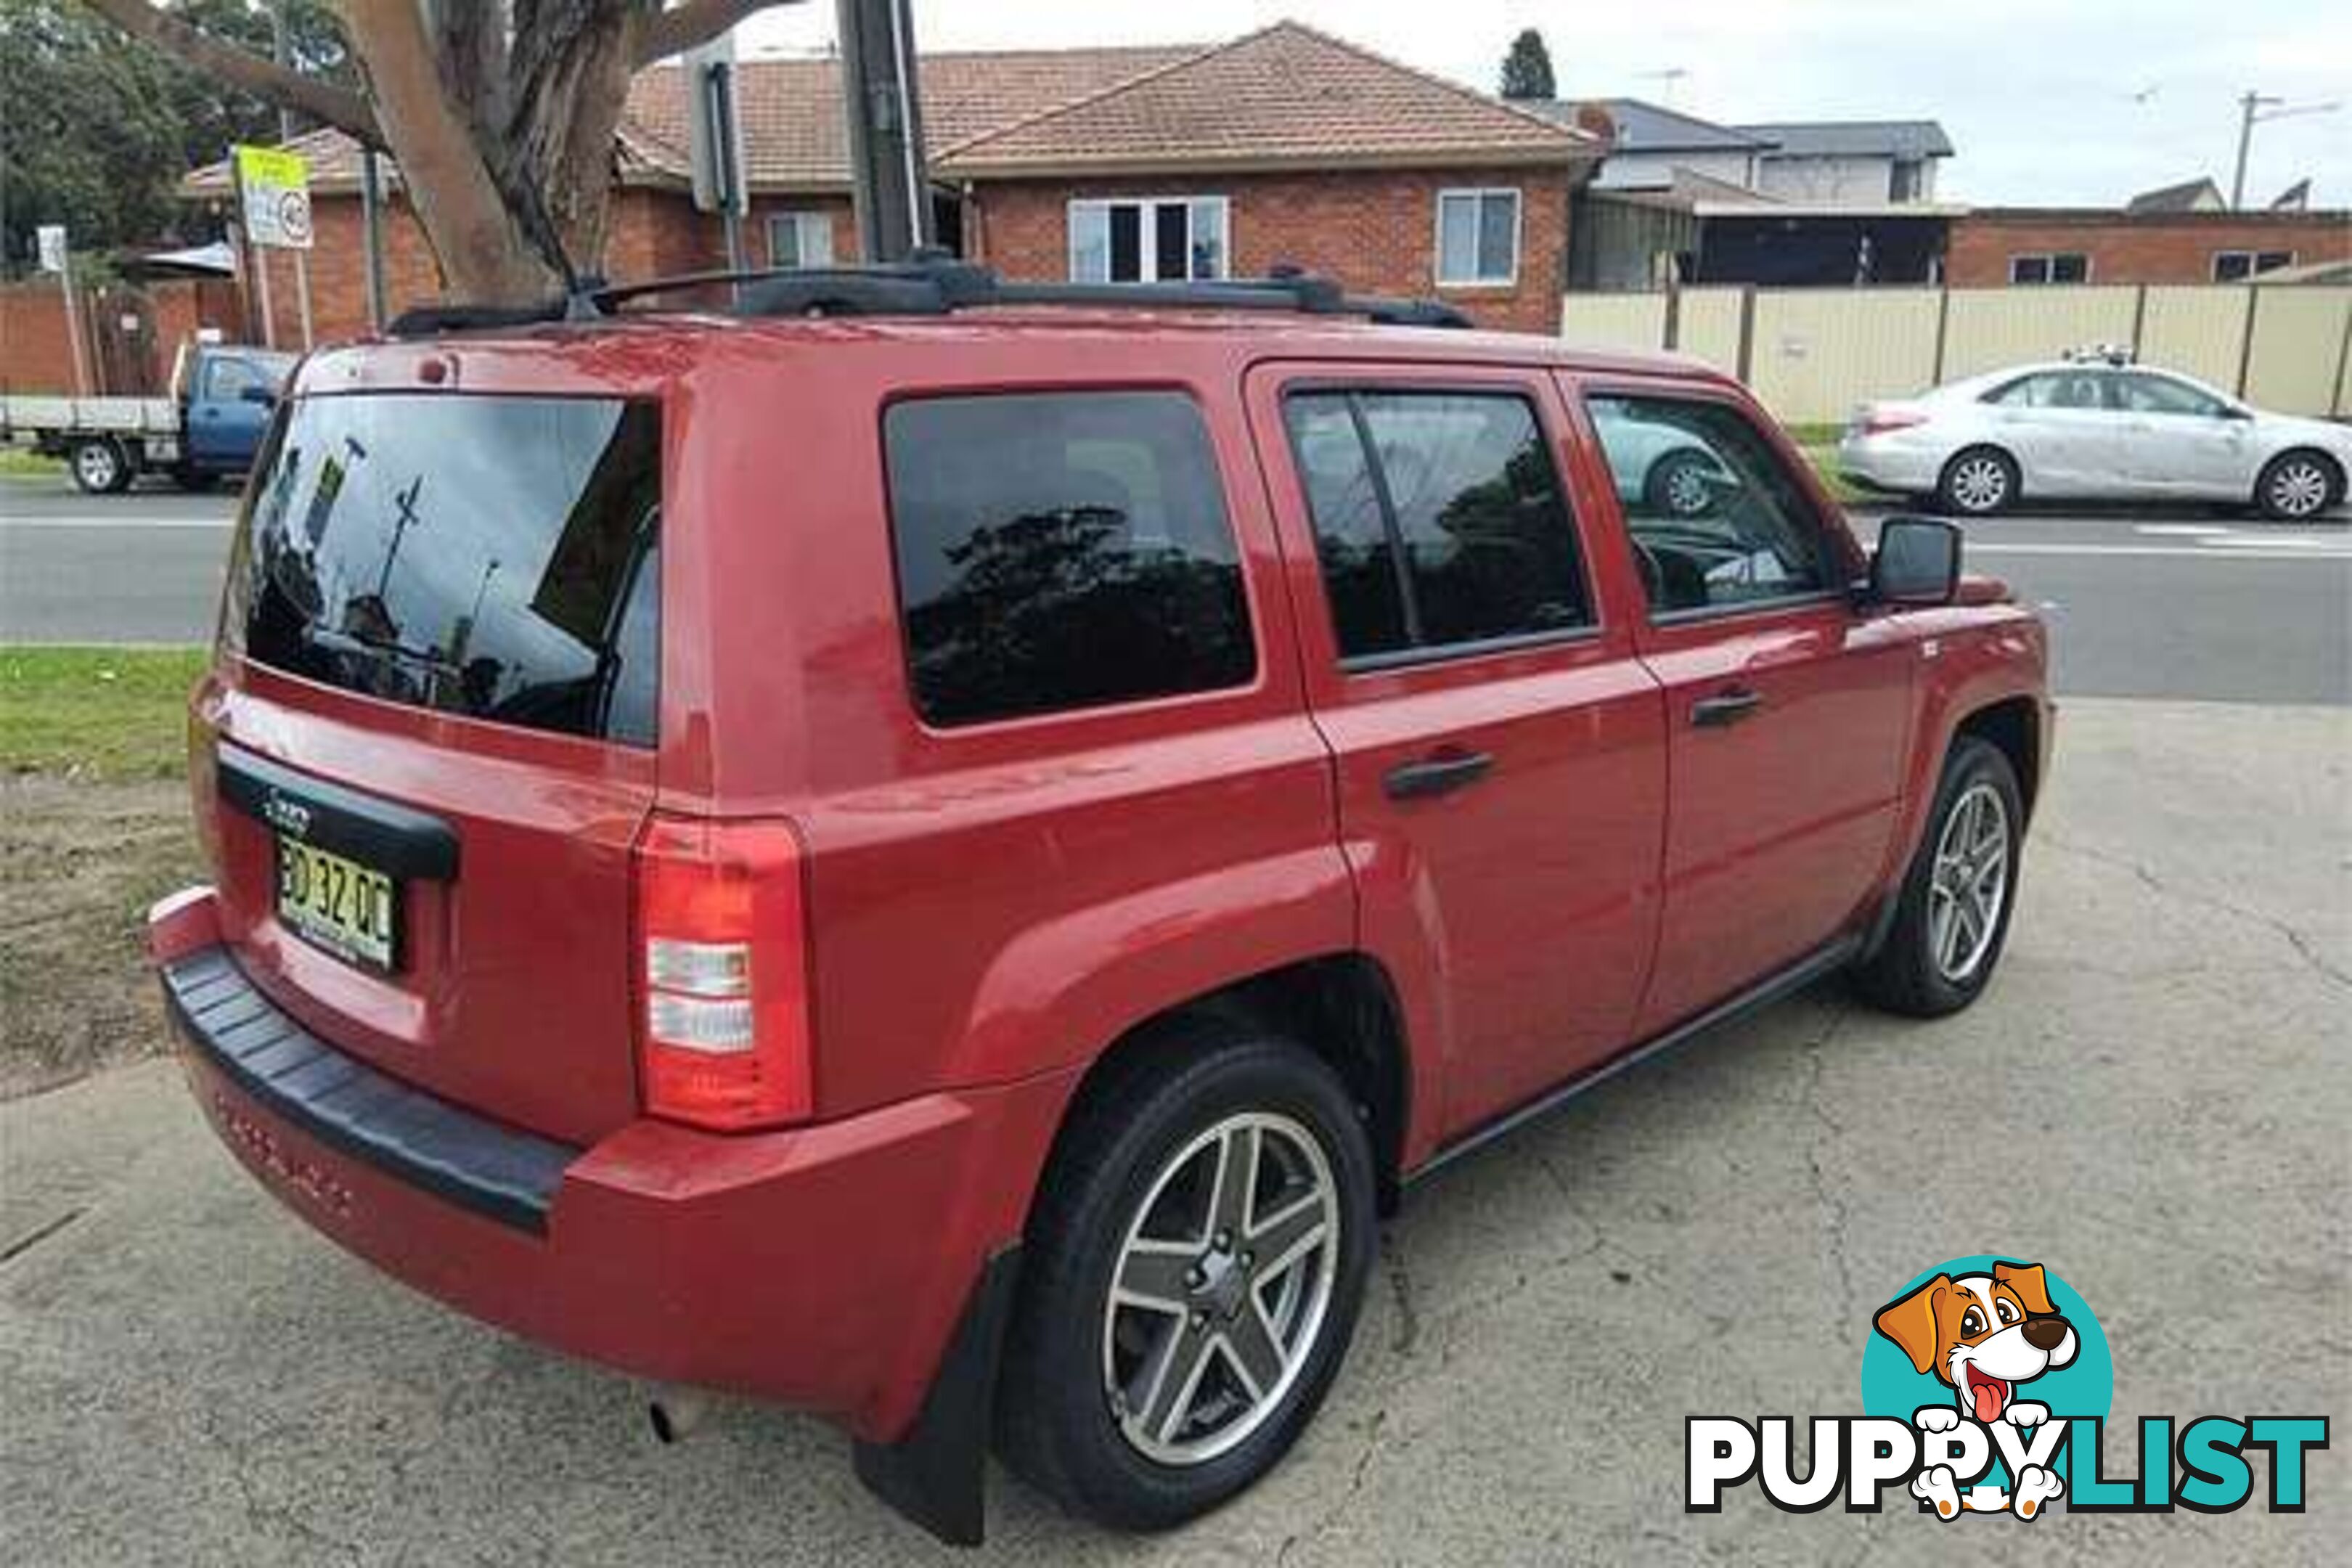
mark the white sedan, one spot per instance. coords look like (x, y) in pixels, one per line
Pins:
(2094, 429)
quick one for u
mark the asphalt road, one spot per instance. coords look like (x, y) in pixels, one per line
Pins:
(2150, 1100)
(2184, 605)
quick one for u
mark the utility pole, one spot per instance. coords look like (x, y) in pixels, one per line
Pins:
(2258, 109)
(882, 99)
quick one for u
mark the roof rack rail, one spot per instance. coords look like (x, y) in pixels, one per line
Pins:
(934, 283)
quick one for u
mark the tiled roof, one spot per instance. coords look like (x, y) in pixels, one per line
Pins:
(793, 132)
(794, 137)
(1286, 95)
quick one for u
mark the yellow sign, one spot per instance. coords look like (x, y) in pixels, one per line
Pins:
(274, 188)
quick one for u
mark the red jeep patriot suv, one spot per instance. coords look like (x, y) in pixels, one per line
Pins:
(940, 850)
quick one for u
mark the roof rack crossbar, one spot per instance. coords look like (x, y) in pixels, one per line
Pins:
(932, 283)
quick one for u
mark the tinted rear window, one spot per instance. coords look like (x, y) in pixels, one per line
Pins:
(487, 556)
(1060, 550)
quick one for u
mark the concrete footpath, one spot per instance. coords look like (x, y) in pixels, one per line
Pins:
(2152, 1102)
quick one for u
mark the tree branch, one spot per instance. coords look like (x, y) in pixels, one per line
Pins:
(677, 28)
(322, 101)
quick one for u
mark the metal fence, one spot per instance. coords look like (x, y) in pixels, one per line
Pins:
(1810, 355)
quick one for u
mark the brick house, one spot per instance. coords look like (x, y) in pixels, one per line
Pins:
(1993, 246)
(1286, 145)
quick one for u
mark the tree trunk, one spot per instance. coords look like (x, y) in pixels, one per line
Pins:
(500, 115)
(488, 253)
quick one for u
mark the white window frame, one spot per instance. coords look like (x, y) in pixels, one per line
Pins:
(2254, 268)
(2049, 260)
(800, 219)
(1518, 225)
(1147, 248)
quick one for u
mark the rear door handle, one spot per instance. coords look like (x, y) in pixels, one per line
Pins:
(1439, 774)
(1725, 707)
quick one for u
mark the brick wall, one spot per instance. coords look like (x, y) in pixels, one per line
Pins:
(37, 354)
(1375, 231)
(2170, 248)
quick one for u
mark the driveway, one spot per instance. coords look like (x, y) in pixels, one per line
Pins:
(2151, 1100)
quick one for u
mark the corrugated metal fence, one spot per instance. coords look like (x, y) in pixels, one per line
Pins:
(1810, 355)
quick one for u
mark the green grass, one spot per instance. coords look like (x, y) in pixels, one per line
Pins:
(112, 714)
(1819, 443)
(23, 463)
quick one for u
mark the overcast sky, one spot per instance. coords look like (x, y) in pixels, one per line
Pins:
(2047, 102)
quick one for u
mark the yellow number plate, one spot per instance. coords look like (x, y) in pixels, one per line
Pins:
(340, 905)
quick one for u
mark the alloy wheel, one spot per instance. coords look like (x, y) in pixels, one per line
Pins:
(1220, 1288)
(2298, 488)
(1980, 484)
(1968, 883)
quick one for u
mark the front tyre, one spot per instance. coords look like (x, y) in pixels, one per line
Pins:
(1978, 482)
(1194, 1266)
(1953, 914)
(2296, 487)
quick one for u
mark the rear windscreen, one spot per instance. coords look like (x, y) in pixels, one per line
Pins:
(494, 557)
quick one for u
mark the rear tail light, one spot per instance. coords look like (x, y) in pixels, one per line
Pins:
(1879, 421)
(724, 1004)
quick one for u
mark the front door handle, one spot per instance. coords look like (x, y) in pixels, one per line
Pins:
(1725, 707)
(1438, 774)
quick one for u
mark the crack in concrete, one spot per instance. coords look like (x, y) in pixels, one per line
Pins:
(1400, 1278)
(1840, 1211)
(2303, 946)
(37, 1235)
(1332, 1515)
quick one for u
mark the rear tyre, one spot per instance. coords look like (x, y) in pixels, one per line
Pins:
(1953, 914)
(2296, 487)
(1193, 1272)
(99, 465)
(1978, 482)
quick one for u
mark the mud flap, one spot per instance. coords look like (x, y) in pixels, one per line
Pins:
(936, 1474)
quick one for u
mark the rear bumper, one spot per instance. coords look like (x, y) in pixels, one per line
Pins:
(1890, 463)
(822, 1265)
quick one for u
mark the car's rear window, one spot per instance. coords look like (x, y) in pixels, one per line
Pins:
(494, 557)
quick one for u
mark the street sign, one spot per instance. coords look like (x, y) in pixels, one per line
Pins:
(274, 192)
(51, 239)
(714, 130)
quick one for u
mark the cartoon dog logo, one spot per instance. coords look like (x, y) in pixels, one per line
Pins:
(1981, 1335)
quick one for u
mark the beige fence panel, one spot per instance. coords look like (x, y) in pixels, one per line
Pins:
(1989, 328)
(2344, 376)
(2294, 365)
(1709, 326)
(1614, 321)
(1814, 354)
(2199, 330)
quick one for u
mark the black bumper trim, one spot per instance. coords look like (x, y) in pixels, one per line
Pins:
(502, 1173)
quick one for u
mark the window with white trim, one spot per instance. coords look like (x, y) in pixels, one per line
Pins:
(2062, 267)
(1477, 238)
(2237, 266)
(800, 239)
(1148, 240)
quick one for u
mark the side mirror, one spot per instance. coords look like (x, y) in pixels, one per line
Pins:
(265, 396)
(1918, 562)
(2232, 411)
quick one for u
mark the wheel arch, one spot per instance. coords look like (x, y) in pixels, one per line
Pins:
(2326, 459)
(1342, 1006)
(2012, 725)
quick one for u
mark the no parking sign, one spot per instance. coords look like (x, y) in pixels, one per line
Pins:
(274, 189)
